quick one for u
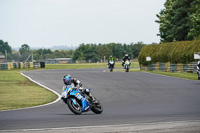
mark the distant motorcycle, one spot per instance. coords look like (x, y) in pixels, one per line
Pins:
(111, 65)
(79, 102)
(127, 65)
(198, 72)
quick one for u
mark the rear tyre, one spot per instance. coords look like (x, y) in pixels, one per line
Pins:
(76, 109)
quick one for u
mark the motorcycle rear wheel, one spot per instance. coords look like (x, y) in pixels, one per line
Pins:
(76, 109)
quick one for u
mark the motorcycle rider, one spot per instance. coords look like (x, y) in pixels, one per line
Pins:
(111, 59)
(75, 83)
(126, 57)
(198, 65)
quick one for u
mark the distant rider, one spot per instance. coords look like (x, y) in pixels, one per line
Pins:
(126, 57)
(111, 59)
(75, 83)
(198, 65)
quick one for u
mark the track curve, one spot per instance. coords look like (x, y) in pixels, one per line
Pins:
(127, 98)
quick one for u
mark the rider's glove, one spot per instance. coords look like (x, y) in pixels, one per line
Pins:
(81, 88)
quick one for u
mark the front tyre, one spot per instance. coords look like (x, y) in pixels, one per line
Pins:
(97, 107)
(111, 69)
(75, 108)
(127, 68)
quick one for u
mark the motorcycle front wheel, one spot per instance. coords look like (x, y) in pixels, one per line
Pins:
(111, 69)
(97, 107)
(127, 69)
(75, 108)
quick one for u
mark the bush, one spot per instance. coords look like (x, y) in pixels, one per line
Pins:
(174, 52)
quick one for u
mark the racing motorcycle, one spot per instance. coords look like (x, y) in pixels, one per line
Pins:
(127, 65)
(198, 72)
(79, 102)
(111, 65)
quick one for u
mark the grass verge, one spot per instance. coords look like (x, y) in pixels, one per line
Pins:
(86, 65)
(191, 76)
(16, 91)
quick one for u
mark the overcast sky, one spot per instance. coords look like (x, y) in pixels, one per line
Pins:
(47, 23)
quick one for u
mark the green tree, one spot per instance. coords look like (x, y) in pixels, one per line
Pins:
(194, 20)
(136, 48)
(92, 53)
(179, 21)
(24, 49)
(5, 47)
(24, 52)
(165, 22)
(117, 50)
(103, 50)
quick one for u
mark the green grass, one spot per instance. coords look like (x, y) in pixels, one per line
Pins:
(85, 65)
(16, 91)
(191, 76)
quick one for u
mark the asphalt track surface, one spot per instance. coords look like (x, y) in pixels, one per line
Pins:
(127, 98)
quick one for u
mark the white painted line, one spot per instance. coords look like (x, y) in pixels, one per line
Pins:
(59, 96)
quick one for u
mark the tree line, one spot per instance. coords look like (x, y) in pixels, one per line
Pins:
(85, 52)
(38, 54)
(99, 52)
(179, 20)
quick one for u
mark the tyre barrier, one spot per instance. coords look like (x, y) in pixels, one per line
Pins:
(20, 65)
(170, 67)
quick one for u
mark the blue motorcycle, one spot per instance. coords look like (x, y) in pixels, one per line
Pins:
(79, 102)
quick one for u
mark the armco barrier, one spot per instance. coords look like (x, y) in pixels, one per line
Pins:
(170, 67)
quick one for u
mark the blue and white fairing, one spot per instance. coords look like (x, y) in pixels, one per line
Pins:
(68, 92)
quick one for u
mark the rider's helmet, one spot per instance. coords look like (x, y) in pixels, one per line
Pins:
(110, 56)
(126, 54)
(67, 79)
